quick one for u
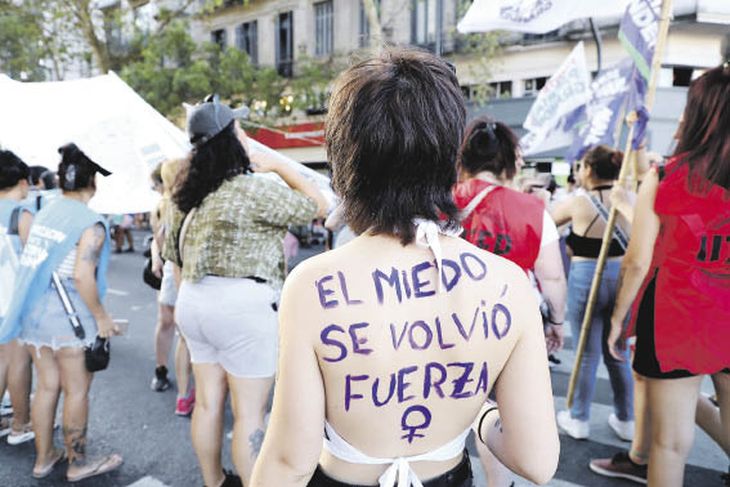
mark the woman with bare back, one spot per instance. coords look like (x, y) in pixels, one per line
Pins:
(391, 343)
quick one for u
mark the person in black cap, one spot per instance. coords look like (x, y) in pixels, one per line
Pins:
(230, 247)
(63, 271)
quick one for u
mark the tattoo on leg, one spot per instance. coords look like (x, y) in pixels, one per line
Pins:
(255, 440)
(75, 440)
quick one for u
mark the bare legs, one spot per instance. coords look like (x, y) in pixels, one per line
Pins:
(183, 368)
(248, 401)
(207, 423)
(672, 427)
(44, 406)
(16, 376)
(641, 443)
(65, 370)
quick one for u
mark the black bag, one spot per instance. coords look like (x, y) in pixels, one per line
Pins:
(149, 277)
(98, 354)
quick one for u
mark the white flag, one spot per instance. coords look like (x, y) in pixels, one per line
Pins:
(550, 117)
(534, 16)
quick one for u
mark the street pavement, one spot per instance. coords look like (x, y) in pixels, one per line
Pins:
(127, 417)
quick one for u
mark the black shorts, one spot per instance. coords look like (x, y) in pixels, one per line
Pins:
(645, 360)
(459, 476)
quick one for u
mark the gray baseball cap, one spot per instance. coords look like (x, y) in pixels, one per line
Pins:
(209, 118)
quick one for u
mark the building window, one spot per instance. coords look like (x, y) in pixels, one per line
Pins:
(364, 31)
(500, 89)
(423, 22)
(323, 28)
(219, 37)
(285, 44)
(247, 40)
(532, 86)
(681, 76)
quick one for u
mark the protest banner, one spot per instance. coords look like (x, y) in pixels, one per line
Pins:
(533, 16)
(558, 105)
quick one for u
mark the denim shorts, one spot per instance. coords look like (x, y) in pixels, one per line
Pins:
(48, 325)
(459, 476)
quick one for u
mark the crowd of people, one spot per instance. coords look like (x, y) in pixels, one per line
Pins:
(433, 316)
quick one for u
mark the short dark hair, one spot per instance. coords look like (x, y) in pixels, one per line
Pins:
(49, 180)
(605, 162)
(704, 136)
(217, 160)
(489, 146)
(392, 136)
(35, 174)
(12, 169)
(76, 171)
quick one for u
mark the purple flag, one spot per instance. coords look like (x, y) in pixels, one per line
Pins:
(610, 90)
(638, 33)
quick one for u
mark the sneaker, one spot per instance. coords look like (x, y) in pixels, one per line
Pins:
(185, 405)
(232, 480)
(620, 466)
(160, 382)
(575, 428)
(19, 437)
(623, 429)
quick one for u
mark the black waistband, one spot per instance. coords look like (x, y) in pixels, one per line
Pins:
(459, 476)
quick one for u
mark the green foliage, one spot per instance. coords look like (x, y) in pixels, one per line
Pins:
(483, 48)
(21, 43)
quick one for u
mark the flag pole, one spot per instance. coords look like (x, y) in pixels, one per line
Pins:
(611, 223)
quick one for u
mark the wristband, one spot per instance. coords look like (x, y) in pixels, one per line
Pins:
(553, 323)
(481, 422)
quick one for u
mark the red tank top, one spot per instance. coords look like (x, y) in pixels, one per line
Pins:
(691, 263)
(506, 222)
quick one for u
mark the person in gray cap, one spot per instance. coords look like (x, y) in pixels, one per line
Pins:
(227, 238)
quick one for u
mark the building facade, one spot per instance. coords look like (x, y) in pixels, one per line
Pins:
(281, 32)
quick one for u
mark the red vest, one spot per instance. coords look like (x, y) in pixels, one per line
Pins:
(691, 262)
(506, 222)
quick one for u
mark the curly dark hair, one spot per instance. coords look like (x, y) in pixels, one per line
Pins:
(218, 160)
(392, 135)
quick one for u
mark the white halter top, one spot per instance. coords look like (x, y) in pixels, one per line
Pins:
(427, 236)
(400, 467)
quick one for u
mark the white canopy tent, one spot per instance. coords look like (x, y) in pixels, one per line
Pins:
(111, 123)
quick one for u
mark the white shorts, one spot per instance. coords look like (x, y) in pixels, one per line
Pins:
(168, 290)
(230, 322)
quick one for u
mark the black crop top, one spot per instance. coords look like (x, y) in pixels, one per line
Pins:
(590, 247)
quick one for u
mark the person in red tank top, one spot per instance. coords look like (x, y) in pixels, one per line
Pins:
(511, 224)
(677, 274)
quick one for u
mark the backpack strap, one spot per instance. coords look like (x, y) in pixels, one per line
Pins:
(14, 227)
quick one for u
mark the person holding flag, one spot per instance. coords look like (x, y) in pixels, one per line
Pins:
(675, 273)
